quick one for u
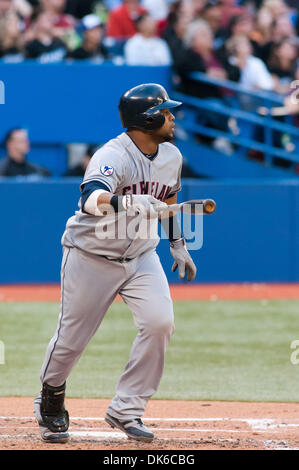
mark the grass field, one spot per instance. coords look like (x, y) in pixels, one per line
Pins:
(221, 350)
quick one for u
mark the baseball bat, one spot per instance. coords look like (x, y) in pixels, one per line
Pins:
(194, 206)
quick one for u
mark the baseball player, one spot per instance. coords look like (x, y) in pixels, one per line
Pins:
(127, 184)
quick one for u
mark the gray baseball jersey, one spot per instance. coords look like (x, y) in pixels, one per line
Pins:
(124, 169)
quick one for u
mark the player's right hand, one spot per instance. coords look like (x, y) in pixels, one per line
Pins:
(182, 260)
(145, 204)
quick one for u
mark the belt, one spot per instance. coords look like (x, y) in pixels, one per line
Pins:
(119, 260)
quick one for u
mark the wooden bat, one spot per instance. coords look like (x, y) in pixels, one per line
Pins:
(194, 206)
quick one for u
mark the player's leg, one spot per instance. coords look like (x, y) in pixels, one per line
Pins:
(147, 295)
(89, 285)
(87, 290)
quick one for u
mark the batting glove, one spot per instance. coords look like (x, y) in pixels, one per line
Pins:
(182, 260)
(145, 204)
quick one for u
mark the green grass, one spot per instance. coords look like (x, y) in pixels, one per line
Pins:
(230, 350)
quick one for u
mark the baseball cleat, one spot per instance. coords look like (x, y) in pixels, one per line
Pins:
(52, 428)
(134, 428)
(51, 415)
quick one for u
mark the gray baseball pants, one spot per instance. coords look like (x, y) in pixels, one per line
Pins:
(89, 284)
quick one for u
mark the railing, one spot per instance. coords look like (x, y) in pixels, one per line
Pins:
(267, 96)
(252, 120)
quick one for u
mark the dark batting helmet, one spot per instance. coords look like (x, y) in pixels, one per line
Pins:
(140, 107)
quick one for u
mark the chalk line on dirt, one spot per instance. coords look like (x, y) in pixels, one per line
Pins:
(254, 423)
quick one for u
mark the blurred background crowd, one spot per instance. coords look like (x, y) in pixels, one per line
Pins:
(254, 42)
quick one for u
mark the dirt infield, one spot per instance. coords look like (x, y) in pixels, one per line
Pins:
(244, 291)
(177, 425)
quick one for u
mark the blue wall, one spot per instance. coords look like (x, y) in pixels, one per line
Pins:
(253, 235)
(67, 103)
(63, 103)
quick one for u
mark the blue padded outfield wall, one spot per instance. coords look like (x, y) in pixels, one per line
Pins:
(253, 235)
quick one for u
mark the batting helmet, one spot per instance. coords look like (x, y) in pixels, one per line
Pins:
(140, 107)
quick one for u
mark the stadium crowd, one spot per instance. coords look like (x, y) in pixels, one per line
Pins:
(254, 42)
(251, 42)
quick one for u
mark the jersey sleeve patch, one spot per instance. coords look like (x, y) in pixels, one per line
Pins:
(106, 170)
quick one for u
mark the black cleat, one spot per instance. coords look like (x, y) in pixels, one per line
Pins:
(51, 415)
(133, 428)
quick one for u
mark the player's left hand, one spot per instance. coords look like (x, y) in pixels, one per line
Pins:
(148, 206)
(182, 260)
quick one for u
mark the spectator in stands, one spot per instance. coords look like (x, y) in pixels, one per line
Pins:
(91, 47)
(145, 48)
(282, 28)
(197, 55)
(177, 23)
(10, 41)
(187, 10)
(121, 21)
(158, 10)
(277, 8)
(199, 40)
(179, 11)
(230, 8)
(238, 25)
(282, 62)
(254, 73)
(15, 163)
(200, 56)
(61, 21)
(45, 46)
(270, 29)
(261, 34)
(79, 170)
(195, 8)
(241, 24)
(211, 13)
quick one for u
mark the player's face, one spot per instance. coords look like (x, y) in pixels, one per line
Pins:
(166, 132)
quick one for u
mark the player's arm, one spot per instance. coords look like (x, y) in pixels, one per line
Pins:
(94, 195)
(170, 224)
(97, 199)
